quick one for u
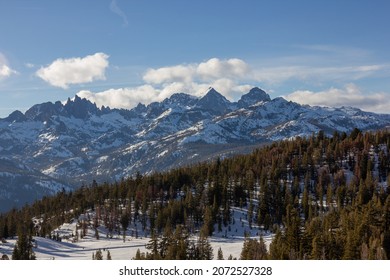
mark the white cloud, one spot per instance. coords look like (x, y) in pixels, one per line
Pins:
(216, 69)
(195, 79)
(123, 97)
(350, 95)
(209, 70)
(128, 98)
(178, 73)
(196, 89)
(5, 70)
(77, 70)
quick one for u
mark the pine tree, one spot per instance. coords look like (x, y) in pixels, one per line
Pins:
(208, 224)
(318, 251)
(99, 255)
(351, 247)
(125, 221)
(139, 255)
(305, 203)
(254, 250)
(23, 249)
(220, 254)
(204, 249)
(165, 241)
(293, 230)
(153, 246)
(109, 255)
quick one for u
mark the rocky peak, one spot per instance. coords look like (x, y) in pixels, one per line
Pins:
(213, 101)
(140, 108)
(254, 96)
(80, 108)
(43, 112)
(15, 116)
(180, 99)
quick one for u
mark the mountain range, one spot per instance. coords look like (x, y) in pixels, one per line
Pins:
(60, 146)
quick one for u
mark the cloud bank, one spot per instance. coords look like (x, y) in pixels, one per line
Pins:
(350, 95)
(78, 70)
(234, 77)
(224, 75)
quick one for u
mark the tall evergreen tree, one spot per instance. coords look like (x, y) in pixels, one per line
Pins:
(220, 254)
(23, 249)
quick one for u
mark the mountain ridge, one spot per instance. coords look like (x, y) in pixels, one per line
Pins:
(76, 142)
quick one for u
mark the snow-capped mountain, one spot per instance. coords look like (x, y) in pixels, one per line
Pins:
(55, 146)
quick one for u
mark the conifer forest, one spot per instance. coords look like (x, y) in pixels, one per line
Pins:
(321, 197)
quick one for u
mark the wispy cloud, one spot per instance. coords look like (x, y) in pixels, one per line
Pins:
(115, 9)
(320, 64)
(29, 65)
(280, 74)
(77, 70)
(336, 51)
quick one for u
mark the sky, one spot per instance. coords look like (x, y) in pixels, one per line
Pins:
(119, 53)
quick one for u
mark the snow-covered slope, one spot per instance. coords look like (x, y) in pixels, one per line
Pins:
(54, 145)
(64, 245)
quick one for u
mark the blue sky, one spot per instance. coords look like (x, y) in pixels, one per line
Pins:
(121, 52)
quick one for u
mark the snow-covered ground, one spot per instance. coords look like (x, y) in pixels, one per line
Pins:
(230, 240)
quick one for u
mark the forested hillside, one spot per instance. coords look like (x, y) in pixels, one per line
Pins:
(323, 198)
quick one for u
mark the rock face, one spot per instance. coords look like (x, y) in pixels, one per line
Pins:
(254, 96)
(213, 101)
(55, 146)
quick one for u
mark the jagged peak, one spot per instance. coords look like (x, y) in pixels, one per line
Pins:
(77, 99)
(80, 107)
(140, 106)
